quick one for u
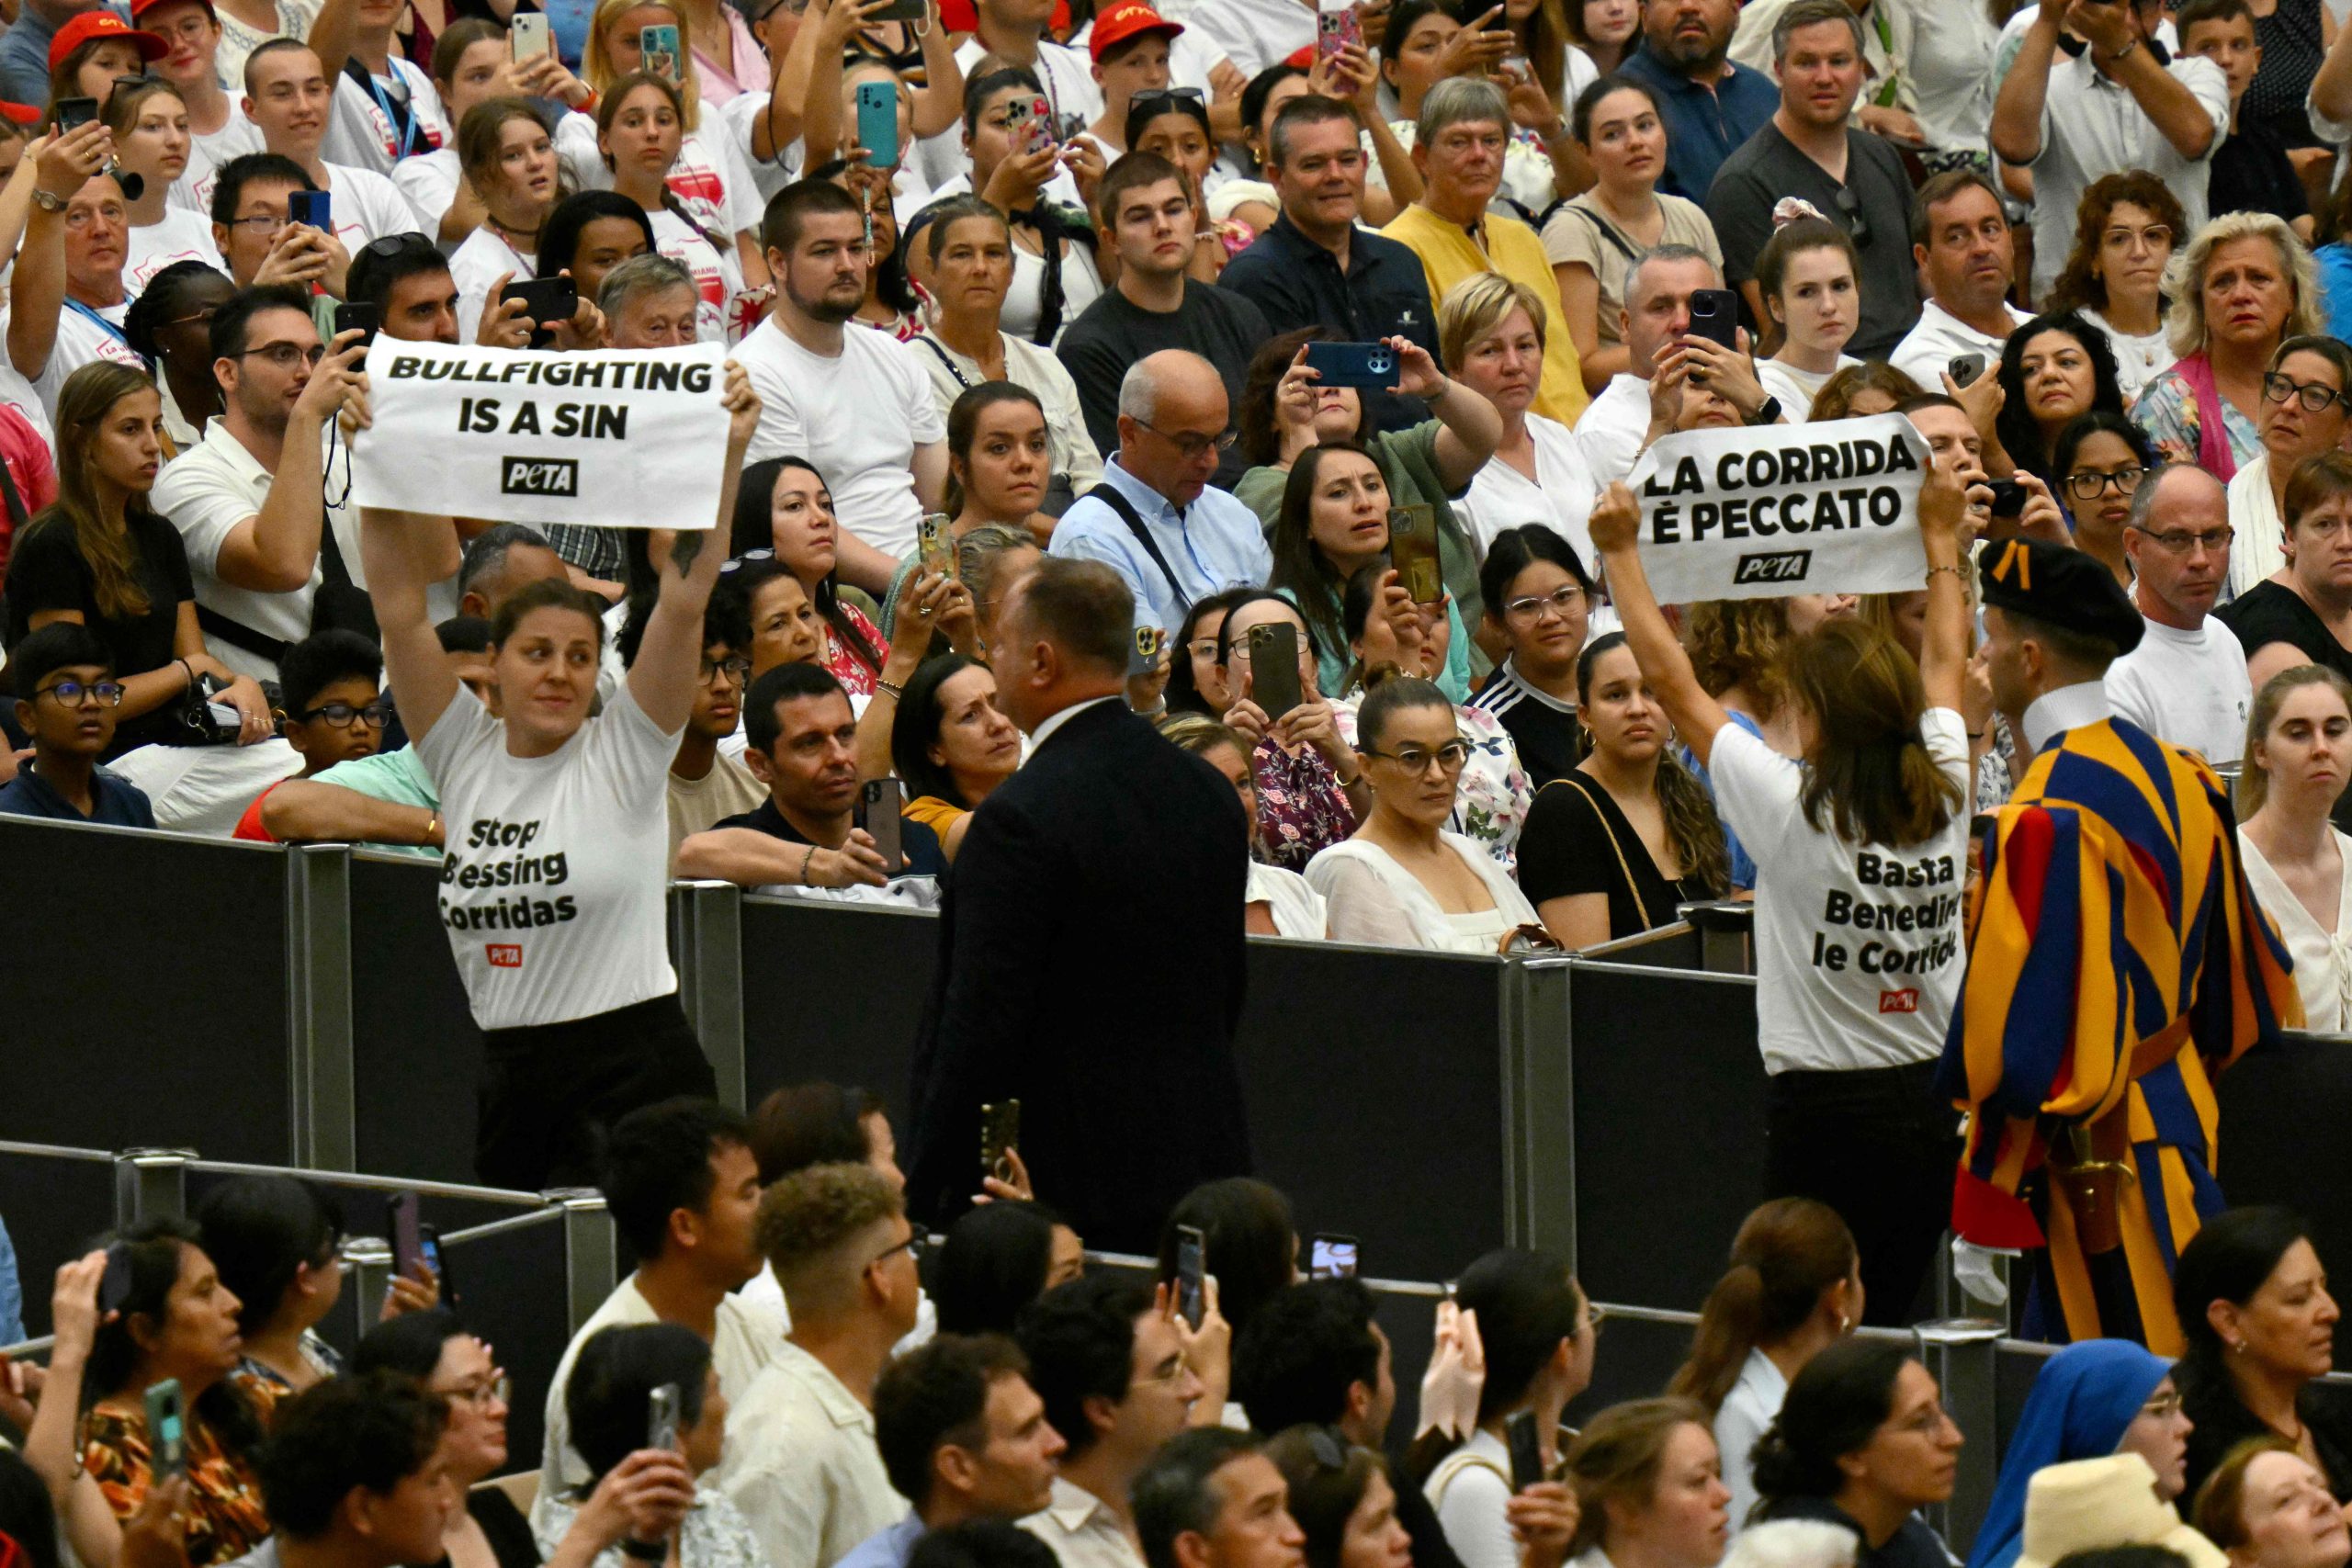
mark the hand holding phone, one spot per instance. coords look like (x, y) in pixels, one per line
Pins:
(999, 1136)
(408, 1241)
(1365, 364)
(1191, 1271)
(529, 35)
(936, 535)
(1274, 684)
(662, 1418)
(877, 123)
(1964, 368)
(167, 1431)
(1526, 1451)
(1331, 1257)
(879, 806)
(1337, 30)
(1412, 550)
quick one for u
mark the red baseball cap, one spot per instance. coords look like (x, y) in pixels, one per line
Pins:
(138, 8)
(1124, 19)
(92, 24)
(23, 114)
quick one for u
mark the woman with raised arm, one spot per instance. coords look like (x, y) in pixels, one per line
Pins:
(1875, 815)
(559, 856)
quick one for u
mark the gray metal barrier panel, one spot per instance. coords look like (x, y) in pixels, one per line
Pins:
(2284, 1112)
(416, 1054)
(833, 992)
(53, 1208)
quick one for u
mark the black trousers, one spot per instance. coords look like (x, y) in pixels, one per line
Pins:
(550, 1091)
(1876, 1146)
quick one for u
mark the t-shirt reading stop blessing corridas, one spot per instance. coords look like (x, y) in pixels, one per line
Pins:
(553, 883)
(1857, 957)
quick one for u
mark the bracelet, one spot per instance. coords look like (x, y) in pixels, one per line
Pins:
(432, 827)
(190, 668)
(887, 689)
(804, 864)
(1953, 569)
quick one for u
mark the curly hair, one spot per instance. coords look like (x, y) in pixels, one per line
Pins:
(1691, 824)
(809, 1214)
(1835, 399)
(1740, 642)
(2079, 285)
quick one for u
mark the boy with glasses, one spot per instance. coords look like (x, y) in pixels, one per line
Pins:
(331, 710)
(67, 696)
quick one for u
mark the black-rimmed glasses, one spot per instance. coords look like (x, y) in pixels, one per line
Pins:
(374, 715)
(2315, 398)
(69, 694)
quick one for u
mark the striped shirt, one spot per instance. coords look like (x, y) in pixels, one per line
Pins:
(1543, 727)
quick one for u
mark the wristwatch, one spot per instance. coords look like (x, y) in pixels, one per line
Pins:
(1767, 412)
(48, 201)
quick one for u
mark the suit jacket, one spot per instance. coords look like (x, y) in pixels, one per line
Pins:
(1091, 966)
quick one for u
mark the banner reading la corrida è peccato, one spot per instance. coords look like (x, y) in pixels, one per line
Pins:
(616, 439)
(1779, 508)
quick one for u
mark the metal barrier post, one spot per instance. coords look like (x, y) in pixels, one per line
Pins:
(317, 1008)
(369, 1259)
(1725, 930)
(591, 1263)
(706, 921)
(148, 1182)
(1539, 1099)
(1960, 1352)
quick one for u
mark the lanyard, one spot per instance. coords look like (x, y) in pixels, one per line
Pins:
(112, 331)
(1886, 94)
(407, 136)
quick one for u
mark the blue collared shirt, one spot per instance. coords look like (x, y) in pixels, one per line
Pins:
(114, 800)
(1704, 125)
(887, 1548)
(1215, 543)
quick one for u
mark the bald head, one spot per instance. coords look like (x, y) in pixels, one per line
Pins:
(2177, 540)
(1172, 413)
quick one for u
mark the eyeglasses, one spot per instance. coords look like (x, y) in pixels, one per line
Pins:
(1202, 647)
(1450, 757)
(2180, 542)
(1927, 1423)
(1192, 442)
(2086, 484)
(2155, 237)
(138, 80)
(285, 356)
(734, 669)
(1561, 601)
(69, 694)
(2164, 1405)
(393, 246)
(916, 1237)
(496, 1389)
(374, 715)
(1849, 208)
(259, 221)
(2315, 398)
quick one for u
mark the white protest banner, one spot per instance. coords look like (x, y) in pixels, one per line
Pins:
(1779, 509)
(620, 439)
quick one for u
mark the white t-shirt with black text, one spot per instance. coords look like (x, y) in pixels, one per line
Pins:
(554, 881)
(1858, 946)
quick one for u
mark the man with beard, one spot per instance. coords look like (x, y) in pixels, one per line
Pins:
(1710, 105)
(857, 405)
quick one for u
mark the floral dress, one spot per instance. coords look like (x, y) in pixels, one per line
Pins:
(1302, 810)
(2167, 411)
(225, 1517)
(1492, 803)
(856, 677)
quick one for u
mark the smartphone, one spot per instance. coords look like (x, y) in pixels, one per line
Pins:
(1192, 1265)
(1526, 1453)
(1143, 652)
(74, 112)
(1412, 550)
(1965, 367)
(1353, 363)
(114, 1289)
(657, 48)
(899, 11)
(408, 1239)
(877, 123)
(529, 35)
(357, 316)
(999, 1134)
(1338, 29)
(1715, 315)
(1331, 1257)
(935, 545)
(878, 812)
(166, 1432)
(2008, 498)
(1031, 125)
(311, 208)
(428, 1241)
(1273, 668)
(545, 300)
(662, 1418)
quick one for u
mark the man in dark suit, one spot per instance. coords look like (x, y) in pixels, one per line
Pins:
(1090, 940)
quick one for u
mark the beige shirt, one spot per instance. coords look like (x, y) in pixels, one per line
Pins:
(699, 805)
(1082, 1532)
(801, 1464)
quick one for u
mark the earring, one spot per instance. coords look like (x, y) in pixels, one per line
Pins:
(1844, 1322)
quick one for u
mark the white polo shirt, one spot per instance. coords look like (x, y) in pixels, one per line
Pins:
(2092, 127)
(1927, 348)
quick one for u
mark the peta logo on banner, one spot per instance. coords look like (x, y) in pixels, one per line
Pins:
(1904, 1001)
(1775, 566)
(538, 476)
(509, 955)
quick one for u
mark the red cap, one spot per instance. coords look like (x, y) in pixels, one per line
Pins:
(23, 114)
(138, 8)
(1302, 57)
(1124, 19)
(92, 24)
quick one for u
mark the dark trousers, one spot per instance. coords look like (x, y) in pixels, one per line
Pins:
(1875, 1145)
(550, 1091)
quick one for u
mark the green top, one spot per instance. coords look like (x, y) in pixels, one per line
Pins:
(398, 777)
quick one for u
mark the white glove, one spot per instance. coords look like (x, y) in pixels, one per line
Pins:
(1978, 1275)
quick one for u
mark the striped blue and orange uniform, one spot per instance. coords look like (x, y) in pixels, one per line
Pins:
(2117, 963)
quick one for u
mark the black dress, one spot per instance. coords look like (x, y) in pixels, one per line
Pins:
(47, 571)
(1578, 840)
(2221, 1422)
(511, 1540)
(2271, 612)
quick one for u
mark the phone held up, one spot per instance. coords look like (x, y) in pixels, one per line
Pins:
(662, 1418)
(879, 806)
(877, 123)
(1412, 550)
(1143, 651)
(1192, 1270)
(1371, 365)
(1337, 27)
(1526, 1451)
(1273, 668)
(1331, 1257)
(167, 1431)
(311, 208)
(934, 537)
(529, 35)
(999, 1135)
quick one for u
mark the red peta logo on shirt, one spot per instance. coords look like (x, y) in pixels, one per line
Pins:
(1888, 1001)
(509, 955)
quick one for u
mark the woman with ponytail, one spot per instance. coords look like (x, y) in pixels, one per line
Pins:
(640, 126)
(1793, 1289)
(1863, 1442)
(1860, 848)
(101, 557)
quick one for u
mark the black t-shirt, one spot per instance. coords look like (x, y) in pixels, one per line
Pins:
(1549, 741)
(1112, 333)
(920, 844)
(502, 1524)
(47, 571)
(2271, 612)
(2251, 172)
(1578, 840)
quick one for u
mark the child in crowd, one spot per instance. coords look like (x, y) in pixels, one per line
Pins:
(66, 694)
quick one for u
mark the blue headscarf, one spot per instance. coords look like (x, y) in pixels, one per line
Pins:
(2086, 1396)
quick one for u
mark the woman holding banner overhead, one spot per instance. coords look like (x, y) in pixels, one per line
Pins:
(558, 862)
(1861, 852)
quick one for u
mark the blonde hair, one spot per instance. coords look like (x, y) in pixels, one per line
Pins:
(1616, 1458)
(806, 1221)
(2253, 779)
(2184, 284)
(1740, 642)
(602, 72)
(1476, 306)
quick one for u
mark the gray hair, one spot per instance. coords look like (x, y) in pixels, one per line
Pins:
(1676, 253)
(654, 273)
(1139, 394)
(1809, 14)
(976, 553)
(1793, 1543)
(486, 553)
(1461, 100)
(2144, 500)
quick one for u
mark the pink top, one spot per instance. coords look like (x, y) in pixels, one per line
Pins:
(718, 86)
